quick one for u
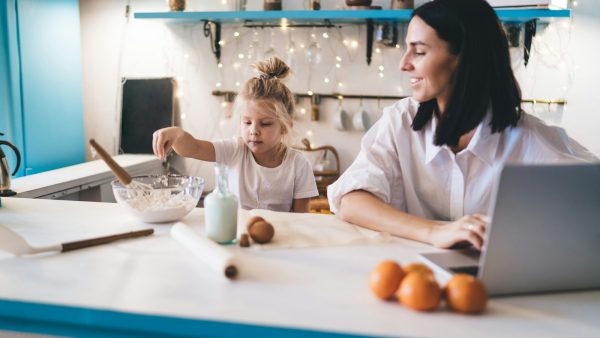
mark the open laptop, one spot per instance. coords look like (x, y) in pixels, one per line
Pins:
(544, 234)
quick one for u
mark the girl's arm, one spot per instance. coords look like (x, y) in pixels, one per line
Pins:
(300, 205)
(362, 208)
(184, 144)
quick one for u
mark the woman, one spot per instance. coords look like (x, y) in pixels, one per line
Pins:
(427, 168)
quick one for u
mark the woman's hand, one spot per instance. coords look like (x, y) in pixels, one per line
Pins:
(164, 139)
(468, 229)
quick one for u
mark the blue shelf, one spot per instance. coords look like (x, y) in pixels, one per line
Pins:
(334, 16)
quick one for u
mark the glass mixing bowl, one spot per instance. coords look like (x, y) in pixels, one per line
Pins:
(159, 198)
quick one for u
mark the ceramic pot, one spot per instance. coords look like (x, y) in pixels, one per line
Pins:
(402, 4)
(177, 5)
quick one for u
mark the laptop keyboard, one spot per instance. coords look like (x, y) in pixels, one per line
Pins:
(469, 270)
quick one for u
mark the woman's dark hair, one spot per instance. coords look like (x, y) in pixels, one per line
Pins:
(483, 76)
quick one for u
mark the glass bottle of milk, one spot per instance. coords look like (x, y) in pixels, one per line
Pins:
(220, 210)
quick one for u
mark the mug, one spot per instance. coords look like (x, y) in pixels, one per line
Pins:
(360, 120)
(340, 120)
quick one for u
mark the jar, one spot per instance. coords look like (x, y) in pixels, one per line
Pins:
(272, 5)
(314, 5)
(176, 5)
(354, 3)
(220, 210)
(402, 4)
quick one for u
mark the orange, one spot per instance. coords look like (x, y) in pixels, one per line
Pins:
(385, 278)
(419, 291)
(416, 267)
(466, 294)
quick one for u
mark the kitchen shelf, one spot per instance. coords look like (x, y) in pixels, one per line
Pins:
(329, 18)
(335, 16)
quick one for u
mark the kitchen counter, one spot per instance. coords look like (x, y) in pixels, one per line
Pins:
(153, 286)
(63, 182)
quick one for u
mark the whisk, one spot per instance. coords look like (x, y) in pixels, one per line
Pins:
(137, 188)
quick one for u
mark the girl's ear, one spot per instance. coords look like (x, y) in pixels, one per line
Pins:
(284, 130)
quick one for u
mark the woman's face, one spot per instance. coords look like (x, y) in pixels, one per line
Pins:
(261, 132)
(429, 63)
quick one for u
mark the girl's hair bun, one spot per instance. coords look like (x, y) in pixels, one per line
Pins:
(272, 68)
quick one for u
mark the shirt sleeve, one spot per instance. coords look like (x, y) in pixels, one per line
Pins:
(552, 144)
(305, 185)
(227, 150)
(376, 169)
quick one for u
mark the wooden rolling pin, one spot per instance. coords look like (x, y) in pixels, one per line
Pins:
(121, 174)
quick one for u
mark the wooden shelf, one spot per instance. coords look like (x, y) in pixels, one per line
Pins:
(334, 16)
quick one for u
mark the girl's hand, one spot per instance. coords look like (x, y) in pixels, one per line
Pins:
(468, 229)
(163, 140)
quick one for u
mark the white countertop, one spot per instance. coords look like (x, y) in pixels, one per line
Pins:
(323, 289)
(80, 176)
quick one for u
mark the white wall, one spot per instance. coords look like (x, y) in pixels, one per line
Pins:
(563, 65)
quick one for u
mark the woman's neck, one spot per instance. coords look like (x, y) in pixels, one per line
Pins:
(463, 141)
(272, 158)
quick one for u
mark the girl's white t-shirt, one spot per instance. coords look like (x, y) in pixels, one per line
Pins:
(259, 187)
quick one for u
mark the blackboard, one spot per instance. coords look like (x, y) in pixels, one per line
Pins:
(147, 105)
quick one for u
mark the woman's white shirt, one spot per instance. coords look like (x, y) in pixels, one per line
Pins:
(404, 168)
(259, 187)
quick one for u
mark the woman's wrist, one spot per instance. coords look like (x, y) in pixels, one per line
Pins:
(432, 228)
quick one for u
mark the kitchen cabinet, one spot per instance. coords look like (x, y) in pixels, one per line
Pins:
(89, 181)
(40, 85)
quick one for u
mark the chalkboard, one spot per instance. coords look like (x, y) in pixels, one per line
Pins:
(147, 105)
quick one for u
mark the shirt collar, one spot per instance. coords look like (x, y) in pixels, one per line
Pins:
(483, 144)
(431, 150)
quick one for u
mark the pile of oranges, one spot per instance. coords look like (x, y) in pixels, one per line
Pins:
(415, 287)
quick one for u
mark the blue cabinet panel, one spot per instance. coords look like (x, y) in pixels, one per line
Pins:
(49, 43)
(10, 93)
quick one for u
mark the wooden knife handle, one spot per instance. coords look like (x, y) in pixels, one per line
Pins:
(103, 240)
(121, 174)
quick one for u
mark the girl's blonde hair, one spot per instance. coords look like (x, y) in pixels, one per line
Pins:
(269, 89)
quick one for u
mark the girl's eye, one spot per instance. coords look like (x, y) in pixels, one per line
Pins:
(419, 53)
(266, 124)
(247, 122)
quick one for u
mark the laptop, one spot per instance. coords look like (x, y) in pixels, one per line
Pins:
(544, 235)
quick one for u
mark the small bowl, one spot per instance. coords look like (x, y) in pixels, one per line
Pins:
(168, 197)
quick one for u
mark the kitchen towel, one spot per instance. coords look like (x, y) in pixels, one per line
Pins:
(302, 230)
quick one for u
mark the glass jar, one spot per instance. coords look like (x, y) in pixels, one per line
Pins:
(272, 5)
(220, 210)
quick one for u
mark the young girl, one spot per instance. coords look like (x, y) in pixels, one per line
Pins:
(264, 172)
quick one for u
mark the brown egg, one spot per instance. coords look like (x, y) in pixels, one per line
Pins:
(261, 232)
(385, 278)
(416, 267)
(253, 220)
(419, 291)
(244, 240)
(466, 294)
